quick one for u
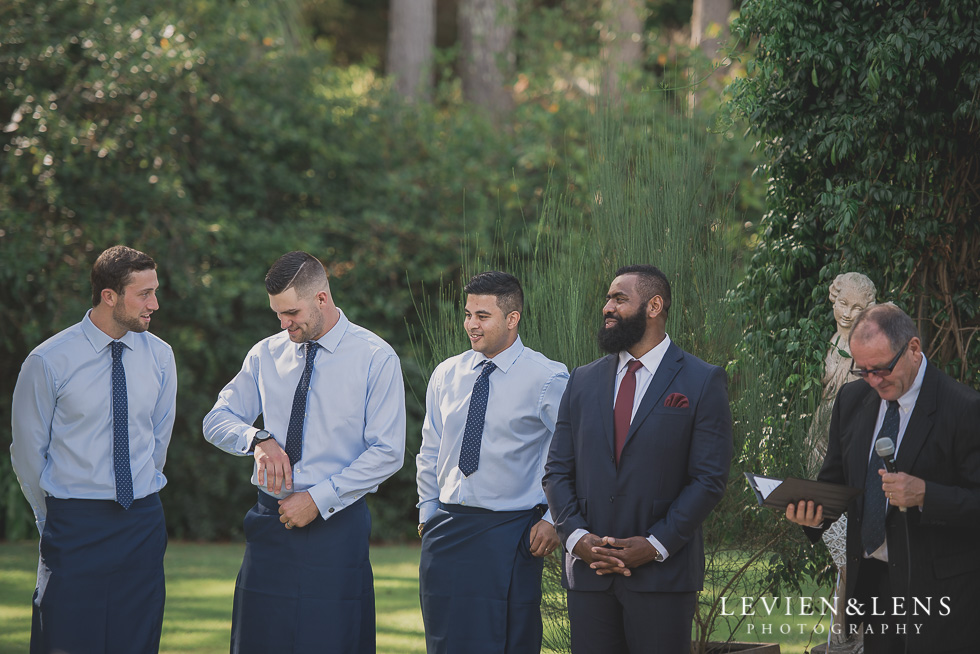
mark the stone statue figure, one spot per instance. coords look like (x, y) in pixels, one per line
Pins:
(850, 293)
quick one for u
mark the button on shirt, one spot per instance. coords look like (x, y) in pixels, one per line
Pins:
(644, 375)
(354, 433)
(62, 415)
(905, 405)
(525, 392)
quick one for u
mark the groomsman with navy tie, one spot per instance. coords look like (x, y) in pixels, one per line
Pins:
(92, 413)
(333, 409)
(490, 415)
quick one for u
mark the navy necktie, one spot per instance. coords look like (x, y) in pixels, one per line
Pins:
(873, 521)
(469, 453)
(294, 433)
(120, 429)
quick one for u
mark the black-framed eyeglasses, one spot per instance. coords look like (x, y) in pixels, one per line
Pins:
(880, 372)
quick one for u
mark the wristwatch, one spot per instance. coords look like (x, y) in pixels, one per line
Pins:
(421, 527)
(260, 436)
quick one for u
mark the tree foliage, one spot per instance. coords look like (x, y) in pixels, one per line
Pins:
(205, 136)
(868, 116)
(216, 137)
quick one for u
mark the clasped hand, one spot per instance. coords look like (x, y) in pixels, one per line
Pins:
(274, 472)
(544, 539)
(608, 555)
(272, 466)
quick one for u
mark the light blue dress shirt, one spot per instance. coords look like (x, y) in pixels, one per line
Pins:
(525, 392)
(62, 415)
(354, 435)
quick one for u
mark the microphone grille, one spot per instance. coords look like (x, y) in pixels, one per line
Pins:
(885, 447)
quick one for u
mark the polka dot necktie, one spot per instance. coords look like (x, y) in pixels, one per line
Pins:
(294, 433)
(873, 520)
(120, 429)
(469, 453)
(623, 411)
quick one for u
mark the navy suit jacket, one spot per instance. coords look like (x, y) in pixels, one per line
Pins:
(672, 472)
(941, 445)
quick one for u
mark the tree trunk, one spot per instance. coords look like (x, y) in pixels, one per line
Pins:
(709, 33)
(709, 26)
(622, 43)
(486, 28)
(411, 42)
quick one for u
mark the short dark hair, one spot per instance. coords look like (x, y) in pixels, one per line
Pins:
(504, 286)
(652, 282)
(296, 269)
(114, 267)
(891, 321)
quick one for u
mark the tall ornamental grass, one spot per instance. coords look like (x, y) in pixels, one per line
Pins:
(654, 200)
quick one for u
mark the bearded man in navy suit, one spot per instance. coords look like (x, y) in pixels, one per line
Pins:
(639, 458)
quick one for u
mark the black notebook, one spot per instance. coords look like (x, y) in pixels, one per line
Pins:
(777, 493)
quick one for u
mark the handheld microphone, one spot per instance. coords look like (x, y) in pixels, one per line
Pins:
(885, 448)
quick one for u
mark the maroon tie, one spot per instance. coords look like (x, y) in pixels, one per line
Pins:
(623, 412)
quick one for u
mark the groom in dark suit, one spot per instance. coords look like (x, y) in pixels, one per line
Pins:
(913, 537)
(639, 458)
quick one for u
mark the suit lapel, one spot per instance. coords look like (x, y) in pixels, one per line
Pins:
(864, 435)
(607, 383)
(920, 422)
(671, 364)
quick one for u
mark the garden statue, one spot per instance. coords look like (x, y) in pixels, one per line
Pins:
(850, 293)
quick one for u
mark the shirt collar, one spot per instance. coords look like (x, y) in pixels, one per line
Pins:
(98, 339)
(331, 339)
(651, 360)
(503, 360)
(907, 401)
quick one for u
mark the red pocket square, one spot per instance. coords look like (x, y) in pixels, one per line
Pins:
(677, 400)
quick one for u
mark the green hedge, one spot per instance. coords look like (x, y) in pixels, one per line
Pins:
(869, 119)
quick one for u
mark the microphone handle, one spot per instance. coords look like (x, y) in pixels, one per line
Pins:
(890, 467)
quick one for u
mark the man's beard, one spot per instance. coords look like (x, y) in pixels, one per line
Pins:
(131, 324)
(627, 333)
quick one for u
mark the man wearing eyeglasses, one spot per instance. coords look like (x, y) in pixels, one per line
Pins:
(913, 537)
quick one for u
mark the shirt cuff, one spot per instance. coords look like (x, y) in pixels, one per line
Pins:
(326, 499)
(547, 518)
(660, 548)
(249, 437)
(427, 509)
(573, 541)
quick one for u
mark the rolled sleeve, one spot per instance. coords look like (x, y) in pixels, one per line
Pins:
(228, 426)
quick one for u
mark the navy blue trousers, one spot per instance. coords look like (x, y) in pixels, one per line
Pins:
(307, 589)
(630, 622)
(100, 583)
(479, 586)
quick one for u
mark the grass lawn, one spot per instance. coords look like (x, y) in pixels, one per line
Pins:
(200, 585)
(201, 581)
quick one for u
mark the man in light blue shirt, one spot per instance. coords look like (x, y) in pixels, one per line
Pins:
(490, 415)
(92, 413)
(333, 409)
